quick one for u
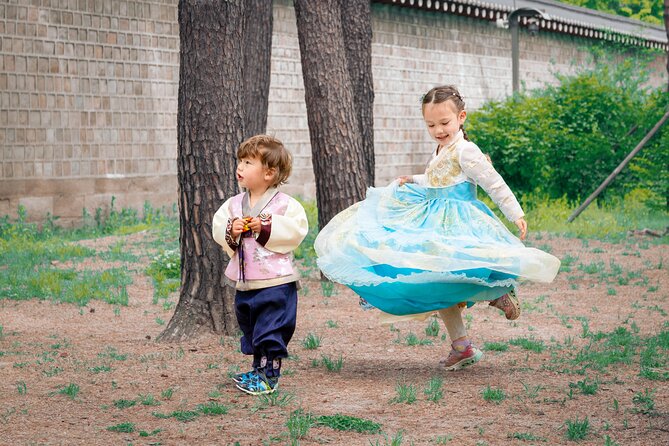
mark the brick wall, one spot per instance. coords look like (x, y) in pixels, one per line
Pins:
(88, 94)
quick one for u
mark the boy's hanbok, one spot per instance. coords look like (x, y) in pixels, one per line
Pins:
(431, 244)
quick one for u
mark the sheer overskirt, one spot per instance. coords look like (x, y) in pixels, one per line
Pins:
(412, 249)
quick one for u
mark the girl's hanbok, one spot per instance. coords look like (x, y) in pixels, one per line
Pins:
(431, 244)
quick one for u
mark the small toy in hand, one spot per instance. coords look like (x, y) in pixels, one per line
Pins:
(247, 220)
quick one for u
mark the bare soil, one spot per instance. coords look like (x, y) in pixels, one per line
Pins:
(110, 353)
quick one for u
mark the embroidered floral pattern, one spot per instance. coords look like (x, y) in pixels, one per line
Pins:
(229, 239)
(445, 169)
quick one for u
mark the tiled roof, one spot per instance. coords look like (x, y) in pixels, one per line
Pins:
(564, 19)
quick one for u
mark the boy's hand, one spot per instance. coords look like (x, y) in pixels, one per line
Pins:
(253, 223)
(238, 226)
(405, 179)
(522, 227)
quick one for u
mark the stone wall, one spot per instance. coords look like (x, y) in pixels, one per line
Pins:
(88, 94)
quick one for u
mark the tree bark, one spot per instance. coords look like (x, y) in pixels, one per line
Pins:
(666, 27)
(356, 19)
(336, 142)
(257, 63)
(210, 127)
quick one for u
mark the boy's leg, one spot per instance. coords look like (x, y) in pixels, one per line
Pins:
(462, 353)
(245, 319)
(275, 325)
(274, 312)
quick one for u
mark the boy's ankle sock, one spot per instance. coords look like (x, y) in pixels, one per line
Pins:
(273, 368)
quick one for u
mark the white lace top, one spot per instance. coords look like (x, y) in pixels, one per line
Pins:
(462, 160)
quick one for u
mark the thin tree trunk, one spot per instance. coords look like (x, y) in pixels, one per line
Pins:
(210, 127)
(356, 18)
(336, 142)
(257, 63)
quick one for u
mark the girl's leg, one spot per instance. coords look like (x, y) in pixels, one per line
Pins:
(452, 317)
(463, 353)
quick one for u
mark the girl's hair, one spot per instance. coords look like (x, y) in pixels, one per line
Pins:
(445, 93)
(272, 154)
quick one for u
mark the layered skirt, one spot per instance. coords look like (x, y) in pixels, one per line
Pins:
(412, 249)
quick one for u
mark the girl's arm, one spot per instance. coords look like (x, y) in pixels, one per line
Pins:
(418, 179)
(477, 167)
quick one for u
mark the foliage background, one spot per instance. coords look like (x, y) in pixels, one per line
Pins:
(650, 11)
(563, 140)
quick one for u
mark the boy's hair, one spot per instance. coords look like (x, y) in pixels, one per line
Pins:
(272, 154)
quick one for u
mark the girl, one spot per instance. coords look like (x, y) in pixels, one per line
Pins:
(426, 244)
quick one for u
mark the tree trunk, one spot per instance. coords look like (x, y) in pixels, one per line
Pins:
(356, 19)
(257, 63)
(666, 27)
(336, 142)
(209, 129)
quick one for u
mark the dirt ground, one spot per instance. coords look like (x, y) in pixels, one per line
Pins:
(124, 376)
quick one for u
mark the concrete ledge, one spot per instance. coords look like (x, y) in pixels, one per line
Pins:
(67, 198)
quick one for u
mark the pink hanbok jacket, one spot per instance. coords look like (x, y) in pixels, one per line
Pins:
(264, 259)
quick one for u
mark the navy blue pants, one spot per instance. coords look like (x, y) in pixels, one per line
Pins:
(267, 319)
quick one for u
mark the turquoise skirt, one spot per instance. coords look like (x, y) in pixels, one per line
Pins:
(412, 249)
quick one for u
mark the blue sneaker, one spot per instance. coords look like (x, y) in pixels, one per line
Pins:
(244, 377)
(259, 385)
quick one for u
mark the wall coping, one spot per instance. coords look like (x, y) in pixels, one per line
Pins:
(565, 19)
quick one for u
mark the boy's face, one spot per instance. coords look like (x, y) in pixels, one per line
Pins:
(252, 175)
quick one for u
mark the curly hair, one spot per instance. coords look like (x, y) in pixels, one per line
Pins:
(272, 154)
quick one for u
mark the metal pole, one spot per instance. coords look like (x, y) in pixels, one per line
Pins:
(620, 167)
(515, 51)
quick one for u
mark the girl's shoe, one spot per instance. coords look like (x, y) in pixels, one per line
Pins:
(509, 304)
(457, 360)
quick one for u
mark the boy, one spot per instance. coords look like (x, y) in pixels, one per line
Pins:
(259, 229)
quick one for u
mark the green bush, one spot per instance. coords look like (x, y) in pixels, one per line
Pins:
(564, 140)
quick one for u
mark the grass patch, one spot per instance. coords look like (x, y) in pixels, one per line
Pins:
(311, 341)
(124, 404)
(493, 395)
(532, 345)
(496, 346)
(212, 408)
(526, 436)
(621, 346)
(406, 393)
(433, 390)
(348, 423)
(577, 429)
(126, 428)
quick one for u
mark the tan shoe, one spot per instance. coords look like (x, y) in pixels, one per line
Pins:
(509, 304)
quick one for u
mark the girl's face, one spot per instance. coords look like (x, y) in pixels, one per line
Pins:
(252, 175)
(443, 121)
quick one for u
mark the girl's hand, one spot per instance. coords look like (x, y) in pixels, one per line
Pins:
(405, 179)
(237, 227)
(522, 227)
(253, 223)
